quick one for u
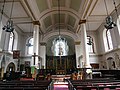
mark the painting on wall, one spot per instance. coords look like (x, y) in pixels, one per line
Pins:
(27, 63)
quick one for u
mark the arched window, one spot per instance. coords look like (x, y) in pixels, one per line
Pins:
(30, 46)
(118, 24)
(90, 44)
(60, 47)
(11, 41)
(107, 40)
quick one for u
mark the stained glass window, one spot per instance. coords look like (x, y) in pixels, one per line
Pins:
(60, 47)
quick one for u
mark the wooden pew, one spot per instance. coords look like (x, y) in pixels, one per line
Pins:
(93, 84)
(25, 85)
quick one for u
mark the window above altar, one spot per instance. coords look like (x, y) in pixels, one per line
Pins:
(60, 47)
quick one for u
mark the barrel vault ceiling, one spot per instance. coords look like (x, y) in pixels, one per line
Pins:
(46, 12)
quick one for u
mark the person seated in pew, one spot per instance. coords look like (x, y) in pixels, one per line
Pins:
(48, 76)
(74, 76)
(80, 75)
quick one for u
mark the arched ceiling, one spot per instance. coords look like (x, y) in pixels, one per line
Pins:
(46, 11)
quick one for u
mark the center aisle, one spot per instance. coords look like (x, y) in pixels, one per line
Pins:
(60, 85)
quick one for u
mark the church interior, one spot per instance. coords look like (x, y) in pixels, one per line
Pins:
(60, 44)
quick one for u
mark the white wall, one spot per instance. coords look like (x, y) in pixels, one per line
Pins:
(103, 55)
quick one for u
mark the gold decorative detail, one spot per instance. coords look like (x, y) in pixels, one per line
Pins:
(36, 22)
(43, 44)
(77, 43)
(82, 21)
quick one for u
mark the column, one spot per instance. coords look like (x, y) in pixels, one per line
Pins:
(1, 25)
(77, 50)
(43, 54)
(35, 44)
(86, 62)
(85, 47)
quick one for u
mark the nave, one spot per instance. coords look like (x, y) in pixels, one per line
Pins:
(58, 84)
(60, 44)
(74, 81)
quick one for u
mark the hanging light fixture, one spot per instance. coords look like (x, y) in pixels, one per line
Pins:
(90, 40)
(115, 8)
(59, 37)
(109, 21)
(9, 25)
(2, 11)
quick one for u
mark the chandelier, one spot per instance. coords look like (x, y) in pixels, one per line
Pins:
(109, 21)
(59, 37)
(9, 25)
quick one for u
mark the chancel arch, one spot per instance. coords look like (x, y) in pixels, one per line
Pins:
(47, 36)
(60, 53)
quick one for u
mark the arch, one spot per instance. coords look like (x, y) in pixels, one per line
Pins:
(107, 40)
(70, 34)
(28, 46)
(15, 40)
(109, 58)
(69, 27)
(11, 41)
(118, 24)
(10, 67)
(111, 63)
(48, 12)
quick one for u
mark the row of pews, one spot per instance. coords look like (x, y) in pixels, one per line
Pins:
(25, 85)
(94, 84)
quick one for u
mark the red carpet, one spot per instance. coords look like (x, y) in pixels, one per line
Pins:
(60, 87)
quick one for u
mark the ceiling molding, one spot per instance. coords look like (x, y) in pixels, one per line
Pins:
(19, 28)
(93, 7)
(82, 8)
(66, 18)
(9, 1)
(52, 18)
(63, 10)
(24, 8)
(29, 9)
(67, 3)
(88, 7)
(49, 2)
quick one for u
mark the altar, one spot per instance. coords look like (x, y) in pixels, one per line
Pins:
(60, 77)
(63, 65)
(60, 72)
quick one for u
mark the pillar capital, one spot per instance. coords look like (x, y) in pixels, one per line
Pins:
(43, 44)
(77, 42)
(36, 23)
(82, 21)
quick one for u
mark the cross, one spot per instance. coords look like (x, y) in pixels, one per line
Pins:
(34, 58)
